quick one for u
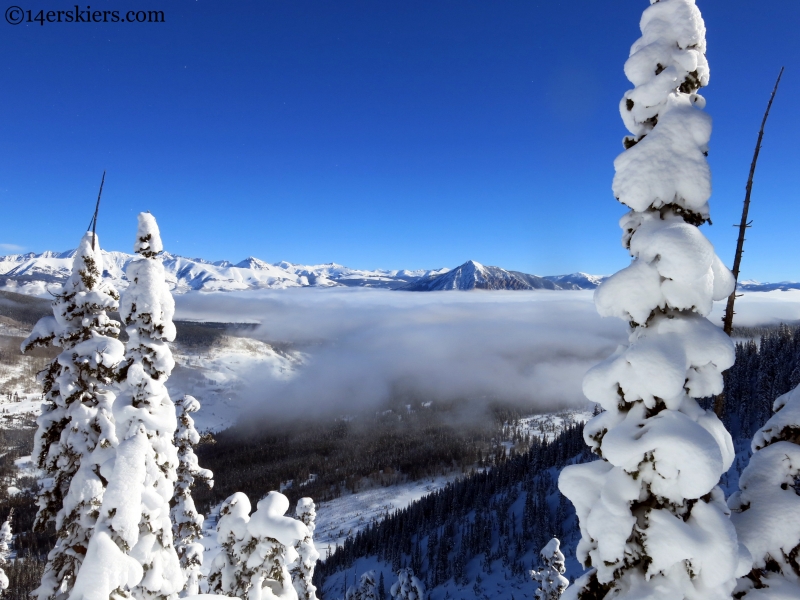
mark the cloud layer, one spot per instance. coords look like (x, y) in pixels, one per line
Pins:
(367, 347)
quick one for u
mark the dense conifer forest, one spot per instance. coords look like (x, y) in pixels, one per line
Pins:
(325, 459)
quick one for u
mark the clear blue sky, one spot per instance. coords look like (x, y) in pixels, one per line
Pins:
(394, 134)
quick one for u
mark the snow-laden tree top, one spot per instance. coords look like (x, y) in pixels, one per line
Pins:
(257, 549)
(148, 237)
(79, 312)
(667, 65)
(550, 577)
(148, 303)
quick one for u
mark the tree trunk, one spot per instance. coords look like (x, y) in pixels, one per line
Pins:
(727, 320)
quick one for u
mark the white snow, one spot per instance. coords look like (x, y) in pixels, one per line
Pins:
(348, 514)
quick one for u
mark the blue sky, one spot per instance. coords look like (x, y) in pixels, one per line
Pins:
(377, 134)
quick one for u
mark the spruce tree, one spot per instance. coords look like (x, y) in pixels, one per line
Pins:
(257, 549)
(653, 521)
(550, 577)
(407, 586)
(381, 588)
(302, 571)
(75, 433)
(229, 574)
(187, 523)
(132, 552)
(366, 588)
(5, 549)
(766, 510)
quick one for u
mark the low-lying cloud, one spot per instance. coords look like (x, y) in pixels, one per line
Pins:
(365, 347)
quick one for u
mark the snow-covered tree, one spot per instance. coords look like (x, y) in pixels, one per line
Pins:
(766, 510)
(365, 590)
(302, 570)
(407, 586)
(653, 521)
(75, 433)
(131, 553)
(187, 523)
(5, 549)
(256, 549)
(229, 574)
(550, 577)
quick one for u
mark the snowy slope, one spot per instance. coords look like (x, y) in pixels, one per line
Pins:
(215, 377)
(350, 513)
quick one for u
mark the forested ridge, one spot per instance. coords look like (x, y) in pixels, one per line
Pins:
(326, 458)
(439, 534)
(509, 512)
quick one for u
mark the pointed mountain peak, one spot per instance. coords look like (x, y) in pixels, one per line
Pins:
(473, 264)
(251, 262)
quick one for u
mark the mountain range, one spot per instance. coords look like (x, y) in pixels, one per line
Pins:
(32, 273)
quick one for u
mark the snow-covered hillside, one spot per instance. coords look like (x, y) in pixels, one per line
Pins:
(217, 376)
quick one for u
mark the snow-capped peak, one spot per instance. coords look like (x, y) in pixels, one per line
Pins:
(251, 262)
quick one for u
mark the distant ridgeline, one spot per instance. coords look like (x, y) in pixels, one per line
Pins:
(502, 517)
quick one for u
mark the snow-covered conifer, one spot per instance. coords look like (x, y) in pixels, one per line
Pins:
(256, 549)
(366, 588)
(75, 433)
(131, 553)
(187, 523)
(407, 586)
(766, 510)
(5, 549)
(229, 574)
(654, 523)
(550, 577)
(302, 570)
